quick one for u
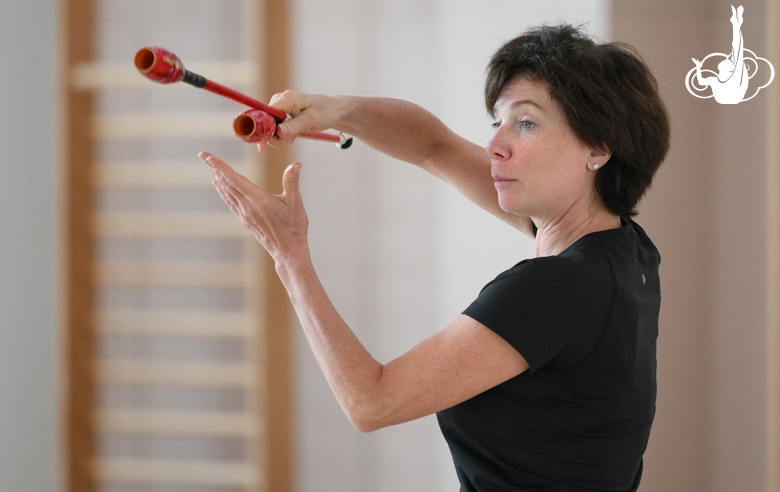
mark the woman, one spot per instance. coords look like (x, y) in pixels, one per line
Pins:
(547, 380)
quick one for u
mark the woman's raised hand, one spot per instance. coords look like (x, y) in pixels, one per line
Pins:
(310, 113)
(279, 222)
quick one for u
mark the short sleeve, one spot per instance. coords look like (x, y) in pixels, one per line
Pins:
(552, 310)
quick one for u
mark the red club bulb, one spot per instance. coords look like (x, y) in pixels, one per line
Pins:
(159, 65)
(254, 125)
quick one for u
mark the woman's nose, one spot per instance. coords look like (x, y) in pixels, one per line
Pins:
(496, 147)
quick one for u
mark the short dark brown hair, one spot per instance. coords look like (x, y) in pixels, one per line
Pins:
(609, 98)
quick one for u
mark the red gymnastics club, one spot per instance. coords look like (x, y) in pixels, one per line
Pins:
(254, 125)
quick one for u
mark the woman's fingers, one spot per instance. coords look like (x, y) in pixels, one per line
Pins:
(279, 222)
(310, 113)
(227, 198)
(222, 170)
(235, 189)
(251, 209)
(237, 198)
(287, 131)
(249, 213)
(292, 103)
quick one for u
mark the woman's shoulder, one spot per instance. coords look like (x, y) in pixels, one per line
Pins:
(555, 274)
(628, 240)
(592, 262)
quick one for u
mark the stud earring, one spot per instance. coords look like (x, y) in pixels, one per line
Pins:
(595, 166)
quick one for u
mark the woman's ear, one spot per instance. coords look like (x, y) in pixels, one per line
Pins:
(598, 157)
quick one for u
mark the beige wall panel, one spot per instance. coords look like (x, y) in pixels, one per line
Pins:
(707, 213)
(676, 216)
(773, 252)
(738, 264)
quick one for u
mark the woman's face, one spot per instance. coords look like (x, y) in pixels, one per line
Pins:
(540, 168)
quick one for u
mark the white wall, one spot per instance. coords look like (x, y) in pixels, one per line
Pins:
(399, 253)
(28, 247)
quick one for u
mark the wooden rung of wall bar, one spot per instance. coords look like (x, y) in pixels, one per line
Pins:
(190, 173)
(176, 472)
(199, 124)
(159, 274)
(176, 323)
(123, 75)
(136, 225)
(181, 423)
(178, 174)
(189, 374)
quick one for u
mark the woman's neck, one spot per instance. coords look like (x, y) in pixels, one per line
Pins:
(554, 235)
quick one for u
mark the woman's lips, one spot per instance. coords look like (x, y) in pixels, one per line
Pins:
(502, 182)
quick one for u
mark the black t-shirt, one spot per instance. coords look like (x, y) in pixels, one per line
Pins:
(586, 321)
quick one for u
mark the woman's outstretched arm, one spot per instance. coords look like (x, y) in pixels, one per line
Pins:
(402, 130)
(455, 364)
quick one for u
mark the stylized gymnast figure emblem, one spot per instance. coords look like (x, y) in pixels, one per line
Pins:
(730, 84)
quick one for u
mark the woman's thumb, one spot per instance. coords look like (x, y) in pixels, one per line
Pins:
(285, 129)
(291, 179)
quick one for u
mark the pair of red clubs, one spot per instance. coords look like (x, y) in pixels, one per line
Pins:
(255, 125)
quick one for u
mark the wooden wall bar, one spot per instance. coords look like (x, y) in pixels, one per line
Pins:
(78, 162)
(278, 341)
(262, 427)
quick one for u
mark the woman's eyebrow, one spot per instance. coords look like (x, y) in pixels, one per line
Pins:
(518, 103)
(524, 101)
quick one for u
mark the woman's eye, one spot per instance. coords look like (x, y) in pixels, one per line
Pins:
(495, 124)
(526, 125)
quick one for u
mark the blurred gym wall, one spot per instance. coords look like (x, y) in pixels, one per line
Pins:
(29, 262)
